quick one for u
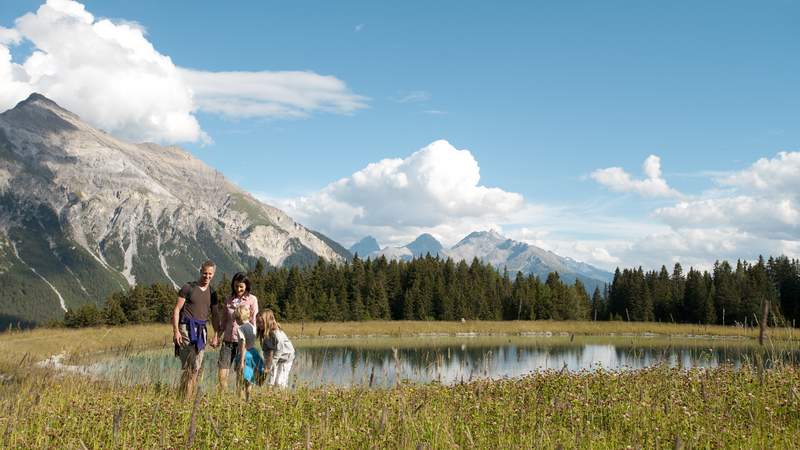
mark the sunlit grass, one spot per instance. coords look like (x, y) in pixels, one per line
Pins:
(652, 408)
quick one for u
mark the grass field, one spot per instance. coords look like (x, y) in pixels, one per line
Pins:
(652, 408)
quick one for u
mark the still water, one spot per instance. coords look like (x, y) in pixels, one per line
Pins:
(382, 362)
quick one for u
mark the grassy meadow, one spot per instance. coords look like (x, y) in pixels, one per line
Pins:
(659, 407)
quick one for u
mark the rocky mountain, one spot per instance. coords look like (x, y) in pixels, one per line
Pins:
(83, 214)
(365, 247)
(421, 246)
(515, 256)
(425, 244)
(503, 253)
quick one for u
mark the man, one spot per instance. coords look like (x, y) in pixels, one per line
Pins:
(192, 310)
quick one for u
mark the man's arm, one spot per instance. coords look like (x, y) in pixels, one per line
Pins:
(176, 314)
(218, 320)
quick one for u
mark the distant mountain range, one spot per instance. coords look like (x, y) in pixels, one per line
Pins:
(501, 252)
(83, 214)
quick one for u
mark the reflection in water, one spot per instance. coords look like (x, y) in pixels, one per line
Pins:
(346, 362)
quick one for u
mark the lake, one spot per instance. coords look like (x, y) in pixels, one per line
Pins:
(381, 361)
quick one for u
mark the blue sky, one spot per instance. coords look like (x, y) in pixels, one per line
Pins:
(543, 95)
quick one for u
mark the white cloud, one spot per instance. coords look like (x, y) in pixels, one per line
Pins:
(616, 179)
(270, 94)
(762, 200)
(110, 74)
(9, 36)
(436, 190)
(359, 27)
(700, 247)
(779, 175)
(413, 97)
(775, 218)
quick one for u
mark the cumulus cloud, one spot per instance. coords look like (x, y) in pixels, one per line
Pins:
(761, 200)
(435, 189)
(779, 175)
(654, 185)
(110, 74)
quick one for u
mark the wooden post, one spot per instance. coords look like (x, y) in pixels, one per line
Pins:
(763, 323)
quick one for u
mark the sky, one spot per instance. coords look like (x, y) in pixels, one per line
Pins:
(620, 133)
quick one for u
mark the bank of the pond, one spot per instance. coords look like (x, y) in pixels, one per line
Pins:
(380, 362)
(652, 408)
(39, 344)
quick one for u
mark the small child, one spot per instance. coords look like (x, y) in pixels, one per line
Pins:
(250, 366)
(278, 349)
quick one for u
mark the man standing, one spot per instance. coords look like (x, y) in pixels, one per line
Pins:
(192, 310)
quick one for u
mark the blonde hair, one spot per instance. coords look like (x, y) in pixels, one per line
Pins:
(242, 313)
(266, 323)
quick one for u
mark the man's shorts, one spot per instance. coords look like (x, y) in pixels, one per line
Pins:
(191, 359)
(228, 353)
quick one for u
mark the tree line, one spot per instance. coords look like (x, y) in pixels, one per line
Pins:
(431, 288)
(726, 295)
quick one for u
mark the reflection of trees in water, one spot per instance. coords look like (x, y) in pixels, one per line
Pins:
(429, 358)
(636, 356)
(351, 365)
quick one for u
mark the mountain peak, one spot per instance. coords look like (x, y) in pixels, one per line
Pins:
(424, 244)
(41, 112)
(365, 246)
(491, 235)
(38, 100)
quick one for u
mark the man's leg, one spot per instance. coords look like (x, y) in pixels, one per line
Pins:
(191, 361)
(226, 355)
(190, 384)
(223, 379)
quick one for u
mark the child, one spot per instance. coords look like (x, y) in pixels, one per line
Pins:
(278, 349)
(250, 366)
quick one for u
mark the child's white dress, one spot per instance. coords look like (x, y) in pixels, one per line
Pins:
(282, 357)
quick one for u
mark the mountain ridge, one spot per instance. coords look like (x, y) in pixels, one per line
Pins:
(85, 214)
(507, 254)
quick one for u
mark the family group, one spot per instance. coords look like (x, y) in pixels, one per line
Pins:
(250, 341)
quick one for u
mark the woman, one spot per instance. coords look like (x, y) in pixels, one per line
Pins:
(240, 296)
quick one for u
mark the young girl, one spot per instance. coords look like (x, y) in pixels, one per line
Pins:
(278, 349)
(250, 366)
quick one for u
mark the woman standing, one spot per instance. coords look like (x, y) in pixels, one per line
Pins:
(240, 296)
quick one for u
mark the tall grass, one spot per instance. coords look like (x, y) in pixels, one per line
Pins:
(652, 408)
(753, 407)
